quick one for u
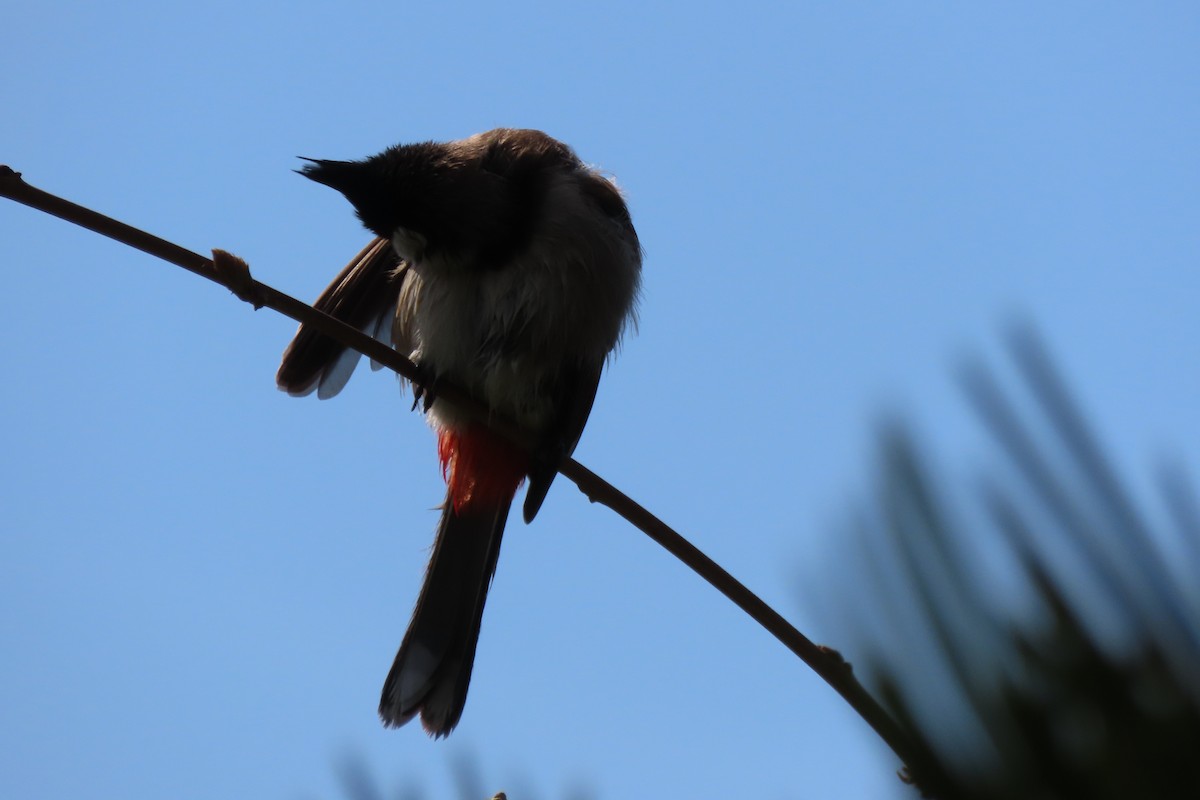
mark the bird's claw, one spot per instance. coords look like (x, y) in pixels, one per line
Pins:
(424, 390)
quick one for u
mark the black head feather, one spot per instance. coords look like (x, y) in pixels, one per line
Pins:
(364, 185)
(479, 196)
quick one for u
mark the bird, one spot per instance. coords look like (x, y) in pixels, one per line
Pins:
(505, 265)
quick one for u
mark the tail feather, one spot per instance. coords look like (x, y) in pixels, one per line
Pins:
(432, 670)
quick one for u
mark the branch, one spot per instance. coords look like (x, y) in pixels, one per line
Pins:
(233, 273)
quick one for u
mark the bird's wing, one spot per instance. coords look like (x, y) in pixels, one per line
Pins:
(576, 392)
(364, 295)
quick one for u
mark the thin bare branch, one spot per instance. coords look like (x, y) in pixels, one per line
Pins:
(231, 272)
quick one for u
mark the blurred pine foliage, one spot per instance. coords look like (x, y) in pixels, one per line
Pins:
(1039, 638)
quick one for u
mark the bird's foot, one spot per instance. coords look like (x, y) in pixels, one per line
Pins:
(424, 389)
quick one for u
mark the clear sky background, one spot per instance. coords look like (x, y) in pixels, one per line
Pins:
(203, 581)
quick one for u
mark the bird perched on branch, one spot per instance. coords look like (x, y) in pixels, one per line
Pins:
(505, 266)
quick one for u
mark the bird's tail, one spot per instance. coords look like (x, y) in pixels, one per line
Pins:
(433, 667)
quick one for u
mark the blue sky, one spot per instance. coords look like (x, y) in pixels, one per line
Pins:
(203, 581)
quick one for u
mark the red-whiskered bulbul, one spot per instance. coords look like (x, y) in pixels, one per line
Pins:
(506, 266)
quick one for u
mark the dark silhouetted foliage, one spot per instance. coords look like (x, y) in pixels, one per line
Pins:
(1038, 638)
